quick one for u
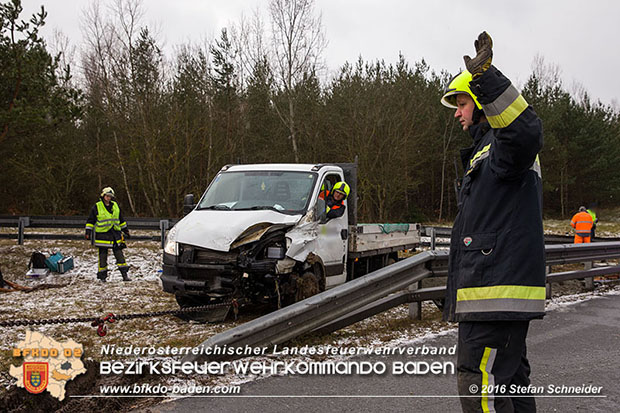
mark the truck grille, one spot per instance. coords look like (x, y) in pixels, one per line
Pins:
(205, 256)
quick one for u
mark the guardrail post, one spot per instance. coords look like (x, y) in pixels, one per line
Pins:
(415, 309)
(589, 282)
(433, 238)
(163, 226)
(548, 285)
(22, 223)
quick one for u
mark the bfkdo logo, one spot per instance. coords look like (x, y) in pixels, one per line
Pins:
(46, 364)
(36, 376)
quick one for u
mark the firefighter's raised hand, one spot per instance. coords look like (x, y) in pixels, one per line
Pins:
(484, 55)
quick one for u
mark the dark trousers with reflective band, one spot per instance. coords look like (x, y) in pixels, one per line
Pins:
(492, 359)
(103, 261)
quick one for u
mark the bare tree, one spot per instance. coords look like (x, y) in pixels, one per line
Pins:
(447, 138)
(249, 40)
(298, 41)
(108, 68)
(548, 74)
(61, 48)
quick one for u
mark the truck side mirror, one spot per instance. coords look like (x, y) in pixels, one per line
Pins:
(188, 204)
(320, 211)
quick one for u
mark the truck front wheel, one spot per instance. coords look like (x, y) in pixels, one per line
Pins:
(307, 286)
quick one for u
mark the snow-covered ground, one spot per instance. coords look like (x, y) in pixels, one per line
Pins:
(80, 295)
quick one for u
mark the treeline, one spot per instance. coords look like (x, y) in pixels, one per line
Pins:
(156, 128)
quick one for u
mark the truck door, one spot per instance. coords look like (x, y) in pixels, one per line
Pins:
(333, 238)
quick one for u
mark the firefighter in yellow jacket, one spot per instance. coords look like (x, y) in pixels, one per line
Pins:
(106, 229)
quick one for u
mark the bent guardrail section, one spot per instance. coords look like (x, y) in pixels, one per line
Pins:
(382, 290)
(320, 309)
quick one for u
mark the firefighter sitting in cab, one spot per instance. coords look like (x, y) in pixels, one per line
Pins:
(334, 199)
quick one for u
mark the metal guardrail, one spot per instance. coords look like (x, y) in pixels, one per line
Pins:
(382, 290)
(320, 309)
(21, 223)
(438, 235)
(441, 236)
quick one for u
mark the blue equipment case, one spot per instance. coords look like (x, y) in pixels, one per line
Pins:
(52, 261)
(58, 263)
(65, 264)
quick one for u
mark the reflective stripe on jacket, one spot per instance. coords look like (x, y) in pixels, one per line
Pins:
(582, 222)
(497, 251)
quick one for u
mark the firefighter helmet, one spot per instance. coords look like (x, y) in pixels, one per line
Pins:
(458, 85)
(107, 191)
(343, 188)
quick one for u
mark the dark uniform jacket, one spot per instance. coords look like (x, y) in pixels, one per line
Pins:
(497, 251)
(336, 208)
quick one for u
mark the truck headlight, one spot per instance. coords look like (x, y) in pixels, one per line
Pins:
(276, 252)
(171, 246)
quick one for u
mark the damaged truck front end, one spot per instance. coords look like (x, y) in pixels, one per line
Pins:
(246, 241)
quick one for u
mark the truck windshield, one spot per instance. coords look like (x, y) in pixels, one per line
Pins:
(282, 191)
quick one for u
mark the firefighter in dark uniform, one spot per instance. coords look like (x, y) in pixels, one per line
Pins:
(496, 281)
(334, 199)
(106, 219)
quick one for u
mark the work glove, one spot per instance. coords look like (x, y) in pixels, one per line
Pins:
(484, 55)
(126, 232)
(87, 235)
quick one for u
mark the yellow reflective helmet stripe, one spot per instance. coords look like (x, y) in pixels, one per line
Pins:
(514, 298)
(505, 109)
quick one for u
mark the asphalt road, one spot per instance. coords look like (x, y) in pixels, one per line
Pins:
(573, 346)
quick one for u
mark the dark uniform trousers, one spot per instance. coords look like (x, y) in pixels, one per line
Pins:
(103, 262)
(491, 362)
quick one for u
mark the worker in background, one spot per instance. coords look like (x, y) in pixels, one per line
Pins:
(334, 199)
(594, 221)
(110, 231)
(496, 277)
(582, 222)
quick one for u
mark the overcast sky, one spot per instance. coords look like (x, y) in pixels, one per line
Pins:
(580, 37)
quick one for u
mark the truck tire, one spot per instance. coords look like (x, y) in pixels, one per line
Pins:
(307, 286)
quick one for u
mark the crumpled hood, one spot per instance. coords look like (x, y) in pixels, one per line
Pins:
(216, 230)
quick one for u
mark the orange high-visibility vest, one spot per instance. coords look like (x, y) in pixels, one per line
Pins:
(582, 222)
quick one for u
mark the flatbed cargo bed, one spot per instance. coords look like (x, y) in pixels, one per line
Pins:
(366, 239)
